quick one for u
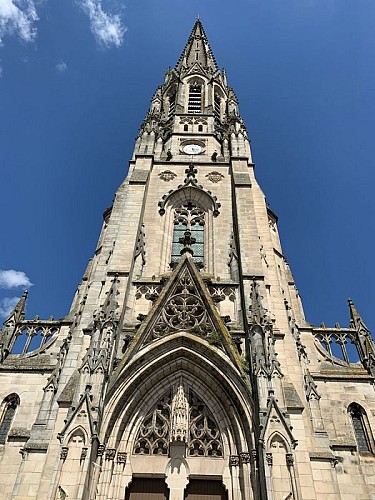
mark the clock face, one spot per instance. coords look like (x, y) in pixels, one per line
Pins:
(192, 149)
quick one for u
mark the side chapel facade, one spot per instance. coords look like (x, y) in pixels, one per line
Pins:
(185, 367)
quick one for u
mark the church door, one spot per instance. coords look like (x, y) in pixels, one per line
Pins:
(147, 489)
(201, 489)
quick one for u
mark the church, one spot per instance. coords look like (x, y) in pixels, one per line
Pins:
(185, 368)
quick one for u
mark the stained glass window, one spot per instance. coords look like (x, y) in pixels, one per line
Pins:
(192, 218)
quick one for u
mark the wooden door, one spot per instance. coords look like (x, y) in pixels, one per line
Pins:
(204, 489)
(147, 489)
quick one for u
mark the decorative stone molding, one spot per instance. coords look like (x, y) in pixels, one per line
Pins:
(289, 459)
(182, 419)
(110, 453)
(180, 416)
(121, 457)
(245, 457)
(215, 177)
(64, 452)
(83, 454)
(190, 182)
(167, 175)
(184, 310)
(101, 449)
(234, 461)
(269, 459)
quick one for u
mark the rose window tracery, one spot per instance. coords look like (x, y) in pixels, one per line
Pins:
(168, 420)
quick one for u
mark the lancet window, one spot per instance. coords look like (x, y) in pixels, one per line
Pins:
(170, 420)
(217, 107)
(172, 105)
(8, 409)
(188, 230)
(195, 99)
(361, 427)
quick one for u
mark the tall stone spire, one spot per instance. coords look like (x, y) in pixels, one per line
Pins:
(197, 50)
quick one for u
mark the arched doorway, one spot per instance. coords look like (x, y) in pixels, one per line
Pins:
(205, 489)
(142, 488)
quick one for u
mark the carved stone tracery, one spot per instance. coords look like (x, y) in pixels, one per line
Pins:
(179, 419)
(184, 310)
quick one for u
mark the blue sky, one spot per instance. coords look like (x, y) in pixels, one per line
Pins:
(76, 80)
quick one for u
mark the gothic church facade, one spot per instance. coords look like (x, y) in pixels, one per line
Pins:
(185, 368)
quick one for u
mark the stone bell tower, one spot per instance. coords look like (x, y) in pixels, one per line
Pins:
(185, 368)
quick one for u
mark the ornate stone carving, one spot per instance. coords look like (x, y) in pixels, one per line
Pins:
(149, 292)
(167, 175)
(234, 461)
(180, 419)
(254, 455)
(83, 454)
(110, 453)
(121, 457)
(184, 311)
(64, 452)
(269, 459)
(101, 449)
(153, 435)
(215, 176)
(221, 292)
(205, 439)
(189, 182)
(289, 459)
(245, 457)
(180, 416)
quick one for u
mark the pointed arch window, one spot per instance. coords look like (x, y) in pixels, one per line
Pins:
(172, 105)
(195, 99)
(217, 106)
(188, 217)
(361, 428)
(8, 410)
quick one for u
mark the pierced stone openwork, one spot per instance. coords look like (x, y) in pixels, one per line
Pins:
(204, 436)
(184, 310)
(340, 344)
(183, 419)
(153, 435)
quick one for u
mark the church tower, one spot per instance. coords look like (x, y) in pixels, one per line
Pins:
(185, 368)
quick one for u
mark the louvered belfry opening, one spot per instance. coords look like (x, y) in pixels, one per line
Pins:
(195, 99)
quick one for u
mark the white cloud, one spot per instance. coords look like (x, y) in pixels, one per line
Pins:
(12, 279)
(17, 17)
(1, 71)
(61, 67)
(108, 29)
(7, 305)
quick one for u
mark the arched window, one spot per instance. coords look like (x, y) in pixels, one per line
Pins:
(8, 409)
(361, 428)
(188, 217)
(195, 99)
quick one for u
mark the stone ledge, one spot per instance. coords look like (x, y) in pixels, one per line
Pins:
(36, 447)
(19, 434)
(139, 177)
(241, 179)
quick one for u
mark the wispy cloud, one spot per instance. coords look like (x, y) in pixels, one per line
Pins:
(61, 67)
(7, 305)
(18, 17)
(107, 28)
(13, 279)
